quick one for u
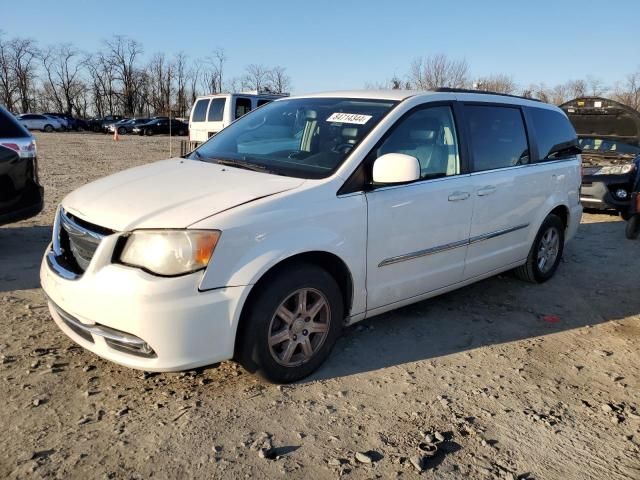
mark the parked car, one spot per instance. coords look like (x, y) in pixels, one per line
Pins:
(62, 120)
(211, 113)
(98, 124)
(161, 125)
(308, 214)
(609, 135)
(127, 125)
(21, 195)
(44, 123)
(108, 127)
(72, 123)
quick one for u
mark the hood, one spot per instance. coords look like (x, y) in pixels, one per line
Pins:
(172, 193)
(595, 117)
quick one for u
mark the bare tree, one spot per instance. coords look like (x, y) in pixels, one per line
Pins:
(628, 92)
(212, 74)
(436, 71)
(496, 83)
(23, 54)
(596, 86)
(62, 66)
(123, 53)
(102, 83)
(180, 77)
(576, 88)
(255, 77)
(278, 80)
(7, 80)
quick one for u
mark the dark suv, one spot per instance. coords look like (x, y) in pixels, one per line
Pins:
(609, 136)
(21, 195)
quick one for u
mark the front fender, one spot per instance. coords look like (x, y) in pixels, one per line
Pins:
(255, 238)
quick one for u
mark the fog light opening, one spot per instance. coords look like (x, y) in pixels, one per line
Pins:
(621, 193)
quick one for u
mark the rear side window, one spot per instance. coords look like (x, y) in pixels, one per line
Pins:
(555, 136)
(200, 110)
(243, 106)
(263, 101)
(216, 110)
(498, 137)
(9, 127)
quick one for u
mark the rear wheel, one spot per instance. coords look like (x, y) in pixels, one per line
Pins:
(48, 128)
(546, 252)
(632, 229)
(122, 131)
(148, 132)
(96, 128)
(292, 325)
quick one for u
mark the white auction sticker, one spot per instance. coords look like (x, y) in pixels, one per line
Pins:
(355, 118)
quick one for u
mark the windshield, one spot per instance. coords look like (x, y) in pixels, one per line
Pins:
(305, 138)
(604, 146)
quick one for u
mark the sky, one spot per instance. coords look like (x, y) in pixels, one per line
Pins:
(334, 45)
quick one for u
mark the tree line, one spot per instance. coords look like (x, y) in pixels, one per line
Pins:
(117, 79)
(440, 71)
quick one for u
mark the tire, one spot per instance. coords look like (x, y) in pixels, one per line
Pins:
(182, 133)
(48, 128)
(96, 128)
(272, 344)
(535, 270)
(148, 132)
(122, 131)
(632, 229)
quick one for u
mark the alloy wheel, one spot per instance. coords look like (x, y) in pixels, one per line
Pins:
(548, 249)
(299, 327)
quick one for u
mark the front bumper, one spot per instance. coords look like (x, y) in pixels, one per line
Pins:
(597, 192)
(113, 305)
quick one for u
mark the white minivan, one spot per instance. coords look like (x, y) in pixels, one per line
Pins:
(306, 215)
(211, 113)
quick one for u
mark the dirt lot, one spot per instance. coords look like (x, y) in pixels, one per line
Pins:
(522, 381)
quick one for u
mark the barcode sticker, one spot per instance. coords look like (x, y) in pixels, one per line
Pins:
(354, 118)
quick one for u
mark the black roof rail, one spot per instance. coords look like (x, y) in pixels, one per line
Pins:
(483, 92)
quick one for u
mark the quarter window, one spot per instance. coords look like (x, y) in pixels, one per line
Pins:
(200, 110)
(243, 106)
(429, 135)
(216, 109)
(498, 137)
(555, 135)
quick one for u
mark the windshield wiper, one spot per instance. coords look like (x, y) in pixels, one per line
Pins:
(242, 164)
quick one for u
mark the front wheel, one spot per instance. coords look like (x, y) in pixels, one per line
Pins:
(546, 252)
(48, 128)
(122, 131)
(632, 229)
(148, 132)
(292, 325)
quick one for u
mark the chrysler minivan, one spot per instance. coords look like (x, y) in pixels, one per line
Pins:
(306, 215)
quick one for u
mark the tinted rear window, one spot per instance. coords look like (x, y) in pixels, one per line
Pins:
(200, 110)
(216, 109)
(263, 101)
(9, 127)
(498, 137)
(243, 106)
(554, 134)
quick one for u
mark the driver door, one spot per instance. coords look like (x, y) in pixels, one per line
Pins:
(418, 233)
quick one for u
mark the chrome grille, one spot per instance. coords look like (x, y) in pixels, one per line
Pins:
(74, 243)
(82, 241)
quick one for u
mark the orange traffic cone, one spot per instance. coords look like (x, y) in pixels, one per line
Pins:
(115, 135)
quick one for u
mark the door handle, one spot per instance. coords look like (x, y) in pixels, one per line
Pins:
(488, 190)
(457, 196)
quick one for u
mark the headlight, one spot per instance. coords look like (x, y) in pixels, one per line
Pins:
(170, 252)
(615, 169)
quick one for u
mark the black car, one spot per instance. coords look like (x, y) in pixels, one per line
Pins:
(21, 195)
(609, 136)
(162, 125)
(128, 125)
(98, 124)
(73, 123)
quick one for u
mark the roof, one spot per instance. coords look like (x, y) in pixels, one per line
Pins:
(458, 94)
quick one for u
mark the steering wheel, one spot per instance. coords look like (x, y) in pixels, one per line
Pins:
(342, 148)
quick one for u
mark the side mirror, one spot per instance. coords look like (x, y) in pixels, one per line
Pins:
(393, 168)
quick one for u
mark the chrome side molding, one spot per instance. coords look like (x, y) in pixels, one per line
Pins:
(449, 246)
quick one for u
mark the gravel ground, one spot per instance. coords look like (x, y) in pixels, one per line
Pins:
(510, 380)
